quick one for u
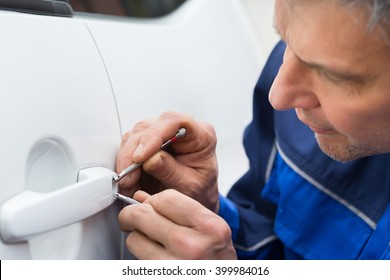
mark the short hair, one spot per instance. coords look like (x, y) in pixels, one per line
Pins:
(379, 12)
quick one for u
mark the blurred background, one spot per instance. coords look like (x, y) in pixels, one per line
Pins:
(131, 8)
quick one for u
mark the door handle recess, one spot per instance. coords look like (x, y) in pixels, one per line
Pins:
(30, 213)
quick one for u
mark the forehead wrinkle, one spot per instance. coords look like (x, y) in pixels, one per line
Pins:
(339, 55)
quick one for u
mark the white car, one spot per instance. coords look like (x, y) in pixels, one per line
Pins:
(70, 85)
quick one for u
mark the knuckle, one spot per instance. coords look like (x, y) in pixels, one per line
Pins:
(132, 240)
(211, 134)
(141, 211)
(154, 163)
(169, 195)
(164, 197)
(126, 136)
(170, 115)
(123, 220)
(224, 234)
(141, 125)
(199, 252)
(131, 236)
(160, 167)
(219, 230)
(176, 117)
(133, 214)
(188, 246)
(208, 128)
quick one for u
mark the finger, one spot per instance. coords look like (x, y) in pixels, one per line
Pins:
(199, 232)
(141, 196)
(124, 159)
(130, 142)
(144, 248)
(161, 131)
(164, 168)
(131, 146)
(126, 191)
(179, 208)
(175, 171)
(209, 237)
(143, 218)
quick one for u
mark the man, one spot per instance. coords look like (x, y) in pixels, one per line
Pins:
(304, 197)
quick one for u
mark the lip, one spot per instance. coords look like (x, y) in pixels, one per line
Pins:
(315, 129)
(324, 131)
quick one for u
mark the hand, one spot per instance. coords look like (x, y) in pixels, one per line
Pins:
(191, 168)
(170, 225)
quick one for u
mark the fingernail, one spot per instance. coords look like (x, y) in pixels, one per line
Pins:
(139, 150)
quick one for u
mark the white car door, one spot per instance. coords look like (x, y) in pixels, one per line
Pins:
(202, 59)
(71, 85)
(59, 138)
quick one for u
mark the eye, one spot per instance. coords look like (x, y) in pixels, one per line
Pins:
(329, 76)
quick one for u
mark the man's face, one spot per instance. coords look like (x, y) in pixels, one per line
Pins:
(336, 75)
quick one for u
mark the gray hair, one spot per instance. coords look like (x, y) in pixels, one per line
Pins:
(379, 13)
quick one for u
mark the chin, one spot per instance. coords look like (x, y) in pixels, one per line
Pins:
(342, 151)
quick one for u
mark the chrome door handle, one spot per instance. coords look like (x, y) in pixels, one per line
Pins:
(30, 213)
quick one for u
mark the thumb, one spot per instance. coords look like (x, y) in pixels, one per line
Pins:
(165, 168)
(141, 196)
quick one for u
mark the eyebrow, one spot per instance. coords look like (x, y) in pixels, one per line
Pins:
(342, 75)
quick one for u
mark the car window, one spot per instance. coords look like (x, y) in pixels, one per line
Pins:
(127, 8)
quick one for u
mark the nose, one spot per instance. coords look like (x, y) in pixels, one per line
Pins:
(293, 86)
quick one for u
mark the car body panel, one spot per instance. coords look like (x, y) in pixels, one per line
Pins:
(71, 86)
(203, 60)
(58, 116)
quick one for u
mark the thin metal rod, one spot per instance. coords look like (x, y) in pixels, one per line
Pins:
(126, 199)
(180, 133)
